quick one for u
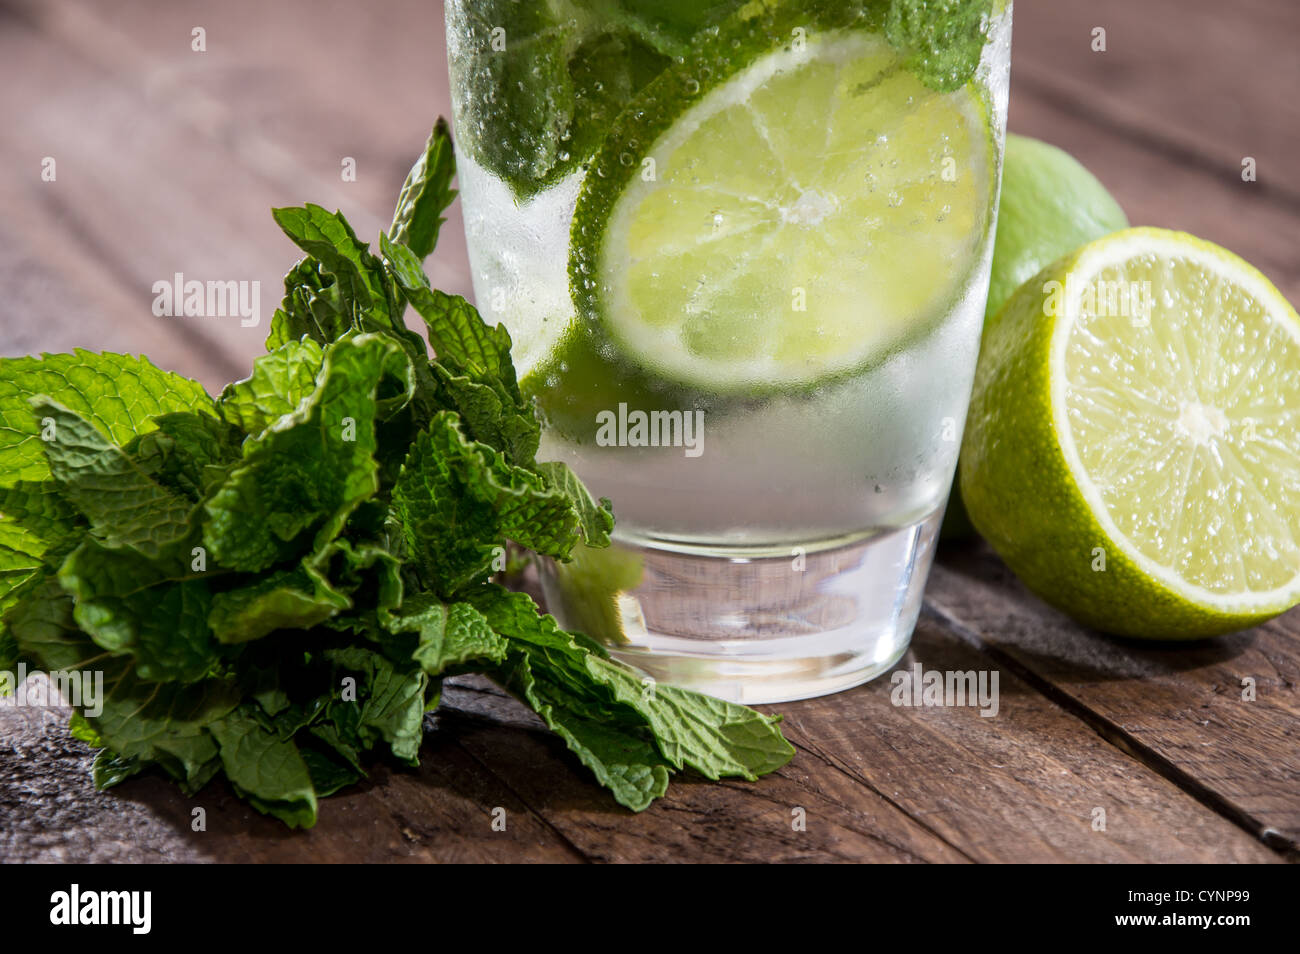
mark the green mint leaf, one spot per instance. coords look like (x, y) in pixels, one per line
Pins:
(340, 287)
(154, 610)
(119, 394)
(445, 508)
(328, 238)
(473, 373)
(313, 307)
(125, 507)
(47, 523)
(328, 772)
(456, 331)
(448, 636)
(941, 39)
(456, 499)
(392, 700)
(285, 599)
(713, 737)
(108, 769)
(22, 568)
(111, 770)
(425, 195)
(187, 453)
(300, 480)
(265, 769)
(512, 65)
(541, 83)
(595, 520)
(624, 762)
(160, 723)
(489, 414)
(281, 379)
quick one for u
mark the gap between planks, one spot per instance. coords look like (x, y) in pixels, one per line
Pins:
(1116, 736)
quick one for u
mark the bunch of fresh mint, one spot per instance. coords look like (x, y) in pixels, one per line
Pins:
(275, 583)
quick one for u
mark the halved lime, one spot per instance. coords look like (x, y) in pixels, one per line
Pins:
(1133, 446)
(796, 221)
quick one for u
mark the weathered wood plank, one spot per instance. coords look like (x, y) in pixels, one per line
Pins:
(49, 810)
(1020, 786)
(730, 821)
(169, 161)
(1157, 189)
(1200, 82)
(1176, 707)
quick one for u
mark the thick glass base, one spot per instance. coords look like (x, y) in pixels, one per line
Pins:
(750, 627)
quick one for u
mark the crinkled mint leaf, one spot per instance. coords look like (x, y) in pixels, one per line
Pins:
(445, 509)
(447, 636)
(119, 394)
(489, 414)
(108, 769)
(313, 307)
(265, 769)
(595, 520)
(187, 453)
(328, 238)
(300, 480)
(456, 331)
(22, 566)
(329, 773)
(156, 611)
(125, 507)
(713, 737)
(284, 599)
(425, 195)
(280, 381)
(457, 499)
(35, 512)
(162, 723)
(626, 763)
(392, 700)
(942, 39)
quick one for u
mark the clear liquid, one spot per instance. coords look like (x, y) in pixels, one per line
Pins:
(788, 558)
(866, 452)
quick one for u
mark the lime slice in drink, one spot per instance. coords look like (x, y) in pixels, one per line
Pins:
(1133, 446)
(799, 219)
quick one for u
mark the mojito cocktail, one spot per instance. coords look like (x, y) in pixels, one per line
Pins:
(743, 251)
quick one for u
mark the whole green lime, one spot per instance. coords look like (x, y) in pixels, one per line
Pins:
(1050, 206)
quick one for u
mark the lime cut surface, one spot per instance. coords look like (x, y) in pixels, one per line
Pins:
(797, 221)
(1133, 450)
(1185, 425)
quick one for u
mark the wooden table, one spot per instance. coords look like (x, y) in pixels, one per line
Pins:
(168, 159)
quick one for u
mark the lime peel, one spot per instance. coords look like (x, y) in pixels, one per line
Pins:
(1035, 467)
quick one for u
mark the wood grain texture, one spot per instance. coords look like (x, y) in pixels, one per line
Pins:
(169, 160)
(1178, 708)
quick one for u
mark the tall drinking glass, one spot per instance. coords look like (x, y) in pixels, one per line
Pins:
(743, 251)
